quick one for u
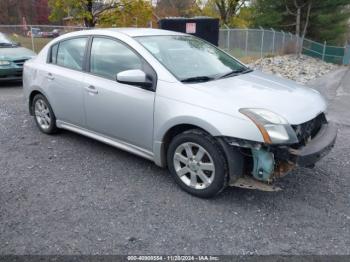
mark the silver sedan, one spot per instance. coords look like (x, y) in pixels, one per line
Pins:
(180, 102)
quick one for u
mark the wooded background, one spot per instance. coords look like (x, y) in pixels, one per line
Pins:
(320, 20)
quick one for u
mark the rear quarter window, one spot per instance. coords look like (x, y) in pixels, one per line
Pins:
(53, 54)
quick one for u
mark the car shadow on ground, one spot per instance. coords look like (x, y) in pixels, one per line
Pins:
(17, 83)
(299, 185)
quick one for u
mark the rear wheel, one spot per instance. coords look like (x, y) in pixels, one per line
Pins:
(43, 115)
(197, 163)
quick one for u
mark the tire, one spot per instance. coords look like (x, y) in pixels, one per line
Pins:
(206, 158)
(43, 115)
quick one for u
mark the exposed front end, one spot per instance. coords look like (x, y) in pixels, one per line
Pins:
(265, 163)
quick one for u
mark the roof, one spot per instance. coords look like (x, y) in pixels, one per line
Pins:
(128, 32)
(142, 31)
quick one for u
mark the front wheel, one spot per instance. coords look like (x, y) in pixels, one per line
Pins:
(43, 115)
(197, 163)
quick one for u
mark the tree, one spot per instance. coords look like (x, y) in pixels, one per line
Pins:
(228, 8)
(233, 13)
(13, 11)
(243, 19)
(4, 7)
(296, 13)
(209, 9)
(85, 10)
(130, 13)
(318, 19)
(42, 13)
(185, 8)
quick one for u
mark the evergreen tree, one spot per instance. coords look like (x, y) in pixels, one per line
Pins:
(317, 19)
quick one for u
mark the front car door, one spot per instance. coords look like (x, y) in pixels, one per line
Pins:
(63, 76)
(119, 111)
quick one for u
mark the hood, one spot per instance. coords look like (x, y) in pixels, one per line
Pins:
(296, 103)
(15, 53)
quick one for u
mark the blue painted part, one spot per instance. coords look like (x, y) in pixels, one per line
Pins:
(263, 164)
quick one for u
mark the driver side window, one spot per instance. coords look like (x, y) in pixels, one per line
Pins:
(109, 57)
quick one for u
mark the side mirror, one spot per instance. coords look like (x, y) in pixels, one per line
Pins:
(134, 77)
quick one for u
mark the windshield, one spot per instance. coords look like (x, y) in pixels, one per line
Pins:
(5, 41)
(190, 58)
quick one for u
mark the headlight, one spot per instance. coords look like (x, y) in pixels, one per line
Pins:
(4, 63)
(273, 127)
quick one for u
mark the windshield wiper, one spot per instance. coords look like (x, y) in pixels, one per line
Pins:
(242, 70)
(197, 79)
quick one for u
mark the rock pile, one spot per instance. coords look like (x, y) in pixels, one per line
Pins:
(301, 70)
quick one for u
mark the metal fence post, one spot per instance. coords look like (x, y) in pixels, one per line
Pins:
(273, 41)
(297, 45)
(324, 50)
(246, 42)
(301, 47)
(291, 38)
(262, 42)
(32, 38)
(346, 57)
(283, 41)
(228, 39)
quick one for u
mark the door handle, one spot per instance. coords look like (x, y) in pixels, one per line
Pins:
(92, 90)
(50, 76)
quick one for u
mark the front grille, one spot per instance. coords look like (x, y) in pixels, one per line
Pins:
(309, 129)
(20, 62)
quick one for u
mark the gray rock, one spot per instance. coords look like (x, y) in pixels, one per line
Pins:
(301, 70)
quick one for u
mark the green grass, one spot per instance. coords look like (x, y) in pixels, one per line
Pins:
(39, 43)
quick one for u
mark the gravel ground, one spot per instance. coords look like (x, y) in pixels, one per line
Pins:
(300, 69)
(67, 194)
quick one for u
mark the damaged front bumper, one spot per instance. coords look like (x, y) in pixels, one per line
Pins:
(317, 148)
(266, 163)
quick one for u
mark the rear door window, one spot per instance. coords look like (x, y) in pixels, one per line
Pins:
(71, 52)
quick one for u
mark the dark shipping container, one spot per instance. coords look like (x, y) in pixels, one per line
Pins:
(206, 28)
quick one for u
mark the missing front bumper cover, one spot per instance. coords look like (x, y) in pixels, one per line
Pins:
(286, 158)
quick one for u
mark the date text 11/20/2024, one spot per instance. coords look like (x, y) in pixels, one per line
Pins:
(173, 258)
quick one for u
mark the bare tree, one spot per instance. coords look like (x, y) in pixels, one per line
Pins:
(297, 10)
(228, 8)
(12, 11)
(85, 10)
(166, 8)
(95, 8)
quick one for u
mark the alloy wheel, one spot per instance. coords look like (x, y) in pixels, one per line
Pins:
(194, 165)
(42, 114)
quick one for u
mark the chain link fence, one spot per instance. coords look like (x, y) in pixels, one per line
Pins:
(35, 37)
(258, 43)
(328, 53)
(248, 43)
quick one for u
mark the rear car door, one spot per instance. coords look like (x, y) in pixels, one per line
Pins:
(116, 110)
(64, 86)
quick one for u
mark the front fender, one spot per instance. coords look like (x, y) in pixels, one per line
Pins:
(170, 113)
